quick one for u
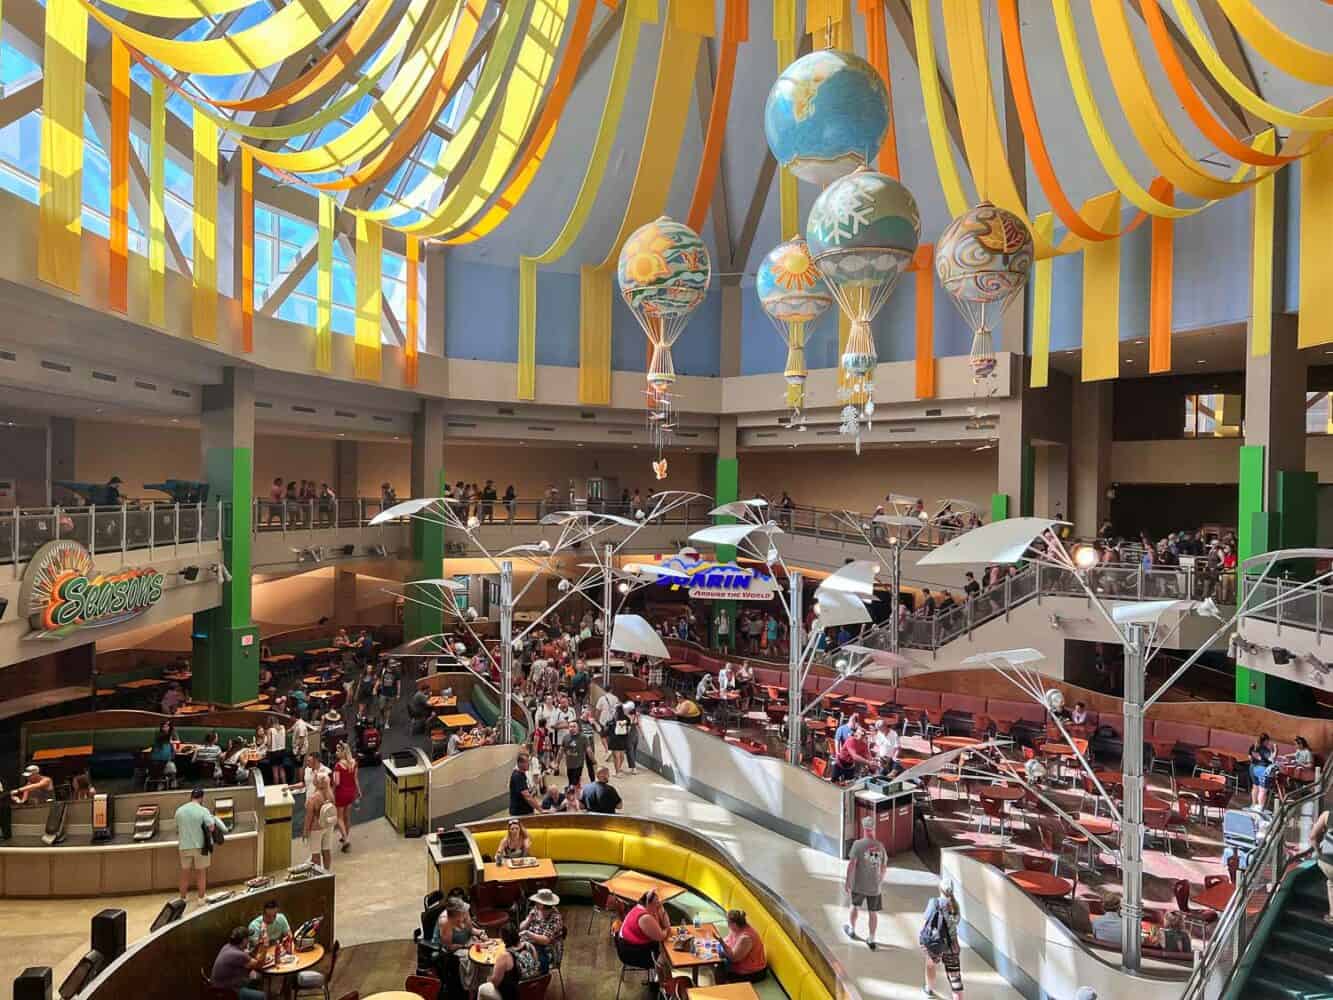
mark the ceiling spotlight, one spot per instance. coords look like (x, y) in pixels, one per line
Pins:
(623, 587)
(563, 586)
(1055, 699)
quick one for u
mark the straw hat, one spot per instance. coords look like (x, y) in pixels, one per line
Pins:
(332, 716)
(545, 897)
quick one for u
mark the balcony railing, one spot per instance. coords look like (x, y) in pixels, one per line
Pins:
(122, 528)
(1293, 605)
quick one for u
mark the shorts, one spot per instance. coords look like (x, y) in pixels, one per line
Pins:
(871, 903)
(194, 859)
(322, 840)
(1261, 774)
(1327, 868)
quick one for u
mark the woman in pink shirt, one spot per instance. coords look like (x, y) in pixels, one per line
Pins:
(644, 929)
(746, 961)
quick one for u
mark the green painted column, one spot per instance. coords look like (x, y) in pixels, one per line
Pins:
(224, 641)
(726, 489)
(1253, 531)
(1002, 505)
(428, 480)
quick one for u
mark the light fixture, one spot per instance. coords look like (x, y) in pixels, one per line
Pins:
(623, 587)
(1085, 556)
(221, 572)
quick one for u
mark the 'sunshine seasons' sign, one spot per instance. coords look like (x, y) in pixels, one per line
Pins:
(63, 591)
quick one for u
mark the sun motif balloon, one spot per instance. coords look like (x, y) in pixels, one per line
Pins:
(983, 261)
(862, 231)
(793, 294)
(663, 272)
(827, 114)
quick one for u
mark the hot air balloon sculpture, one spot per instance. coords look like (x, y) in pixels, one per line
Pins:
(793, 294)
(862, 231)
(826, 115)
(663, 271)
(983, 261)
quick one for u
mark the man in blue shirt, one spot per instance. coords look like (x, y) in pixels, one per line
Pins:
(848, 727)
(270, 927)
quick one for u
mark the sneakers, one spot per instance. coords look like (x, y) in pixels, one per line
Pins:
(347, 846)
(927, 991)
(872, 945)
(847, 929)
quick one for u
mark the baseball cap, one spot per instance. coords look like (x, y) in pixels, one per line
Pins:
(30, 770)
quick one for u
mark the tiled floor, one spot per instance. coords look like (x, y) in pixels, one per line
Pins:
(382, 879)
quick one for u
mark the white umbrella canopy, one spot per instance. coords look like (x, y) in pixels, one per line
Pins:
(1008, 657)
(738, 508)
(856, 577)
(405, 509)
(731, 534)
(444, 583)
(1001, 542)
(838, 607)
(1150, 612)
(633, 634)
(883, 663)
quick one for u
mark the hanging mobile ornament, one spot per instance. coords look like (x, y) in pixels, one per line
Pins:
(793, 294)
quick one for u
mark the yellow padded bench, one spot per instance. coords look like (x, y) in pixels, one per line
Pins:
(705, 876)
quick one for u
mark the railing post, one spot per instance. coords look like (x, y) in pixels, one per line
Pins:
(1138, 582)
(1038, 584)
(1007, 595)
(1318, 612)
(57, 524)
(92, 529)
(199, 526)
(152, 528)
(1278, 606)
(176, 530)
(17, 535)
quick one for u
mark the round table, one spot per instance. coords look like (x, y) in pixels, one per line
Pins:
(954, 742)
(299, 961)
(393, 995)
(1098, 826)
(1200, 784)
(486, 952)
(1057, 749)
(1002, 793)
(1041, 884)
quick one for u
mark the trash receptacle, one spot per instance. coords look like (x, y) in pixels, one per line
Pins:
(405, 793)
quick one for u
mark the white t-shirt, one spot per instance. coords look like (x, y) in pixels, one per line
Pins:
(311, 776)
(606, 707)
(301, 731)
(277, 738)
(562, 717)
(884, 744)
(724, 681)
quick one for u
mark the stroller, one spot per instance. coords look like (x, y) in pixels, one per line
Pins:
(367, 739)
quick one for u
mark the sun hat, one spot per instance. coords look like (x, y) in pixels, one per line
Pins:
(545, 897)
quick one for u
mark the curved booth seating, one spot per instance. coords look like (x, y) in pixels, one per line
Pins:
(592, 847)
(166, 964)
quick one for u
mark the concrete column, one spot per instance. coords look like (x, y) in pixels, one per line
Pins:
(344, 596)
(61, 438)
(436, 297)
(1090, 456)
(1016, 461)
(226, 649)
(1052, 482)
(1277, 506)
(427, 539)
(345, 471)
(729, 346)
(726, 488)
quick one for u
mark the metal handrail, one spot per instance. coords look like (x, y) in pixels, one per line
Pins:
(109, 528)
(1215, 966)
(1290, 604)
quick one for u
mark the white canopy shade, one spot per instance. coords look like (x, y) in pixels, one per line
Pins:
(1149, 612)
(731, 534)
(405, 509)
(1009, 657)
(838, 607)
(649, 571)
(444, 583)
(957, 502)
(878, 661)
(632, 634)
(903, 498)
(940, 761)
(854, 578)
(899, 521)
(1000, 542)
(737, 508)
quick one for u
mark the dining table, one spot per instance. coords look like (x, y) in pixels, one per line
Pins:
(142, 684)
(943, 743)
(1002, 793)
(1216, 897)
(439, 701)
(456, 720)
(684, 960)
(727, 991)
(290, 964)
(630, 885)
(62, 753)
(1041, 884)
(543, 869)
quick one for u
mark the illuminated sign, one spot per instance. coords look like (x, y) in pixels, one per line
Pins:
(63, 591)
(714, 581)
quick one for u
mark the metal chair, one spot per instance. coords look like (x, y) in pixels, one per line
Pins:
(630, 961)
(317, 982)
(1156, 822)
(992, 810)
(604, 901)
(1202, 919)
(426, 987)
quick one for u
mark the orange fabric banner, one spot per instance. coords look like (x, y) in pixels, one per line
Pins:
(924, 265)
(247, 209)
(1162, 258)
(118, 156)
(877, 54)
(734, 31)
(410, 332)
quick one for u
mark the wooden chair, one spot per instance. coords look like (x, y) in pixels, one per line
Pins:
(1038, 863)
(490, 911)
(1157, 822)
(1202, 919)
(1178, 821)
(426, 987)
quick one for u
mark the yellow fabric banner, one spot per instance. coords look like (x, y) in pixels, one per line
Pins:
(324, 286)
(1316, 263)
(1285, 52)
(1101, 298)
(157, 207)
(247, 282)
(413, 322)
(923, 266)
(369, 297)
(60, 191)
(293, 27)
(1261, 263)
(663, 135)
(789, 197)
(1039, 375)
(600, 156)
(1161, 284)
(941, 145)
(118, 160)
(205, 298)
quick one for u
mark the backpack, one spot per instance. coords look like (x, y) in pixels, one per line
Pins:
(934, 935)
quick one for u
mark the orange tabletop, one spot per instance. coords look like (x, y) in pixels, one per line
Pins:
(483, 953)
(178, 675)
(953, 742)
(253, 756)
(680, 959)
(1217, 897)
(1041, 884)
(1061, 749)
(297, 961)
(631, 885)
(687, 668)
(327, 677)
(257, 706)
(142, 683)
(439, 701)
(193, 709)
(280, 658)
(1202, 783)
(324, 651)
(544, 868)
(105, 692)
(61, 753)
(458, 720)
(1001, 793)
(1099, 826)
(394, 995)
(1234, 755)
(731, 991)
(324, 694)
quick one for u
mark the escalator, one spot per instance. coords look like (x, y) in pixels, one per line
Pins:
(1291, 956)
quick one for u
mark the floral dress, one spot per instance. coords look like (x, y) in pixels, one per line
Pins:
(546, 922)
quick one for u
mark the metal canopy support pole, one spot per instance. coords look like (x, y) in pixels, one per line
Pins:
(1131, 819)
(896, 567)
(608, 598)
(795, 645)
(506, 651)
